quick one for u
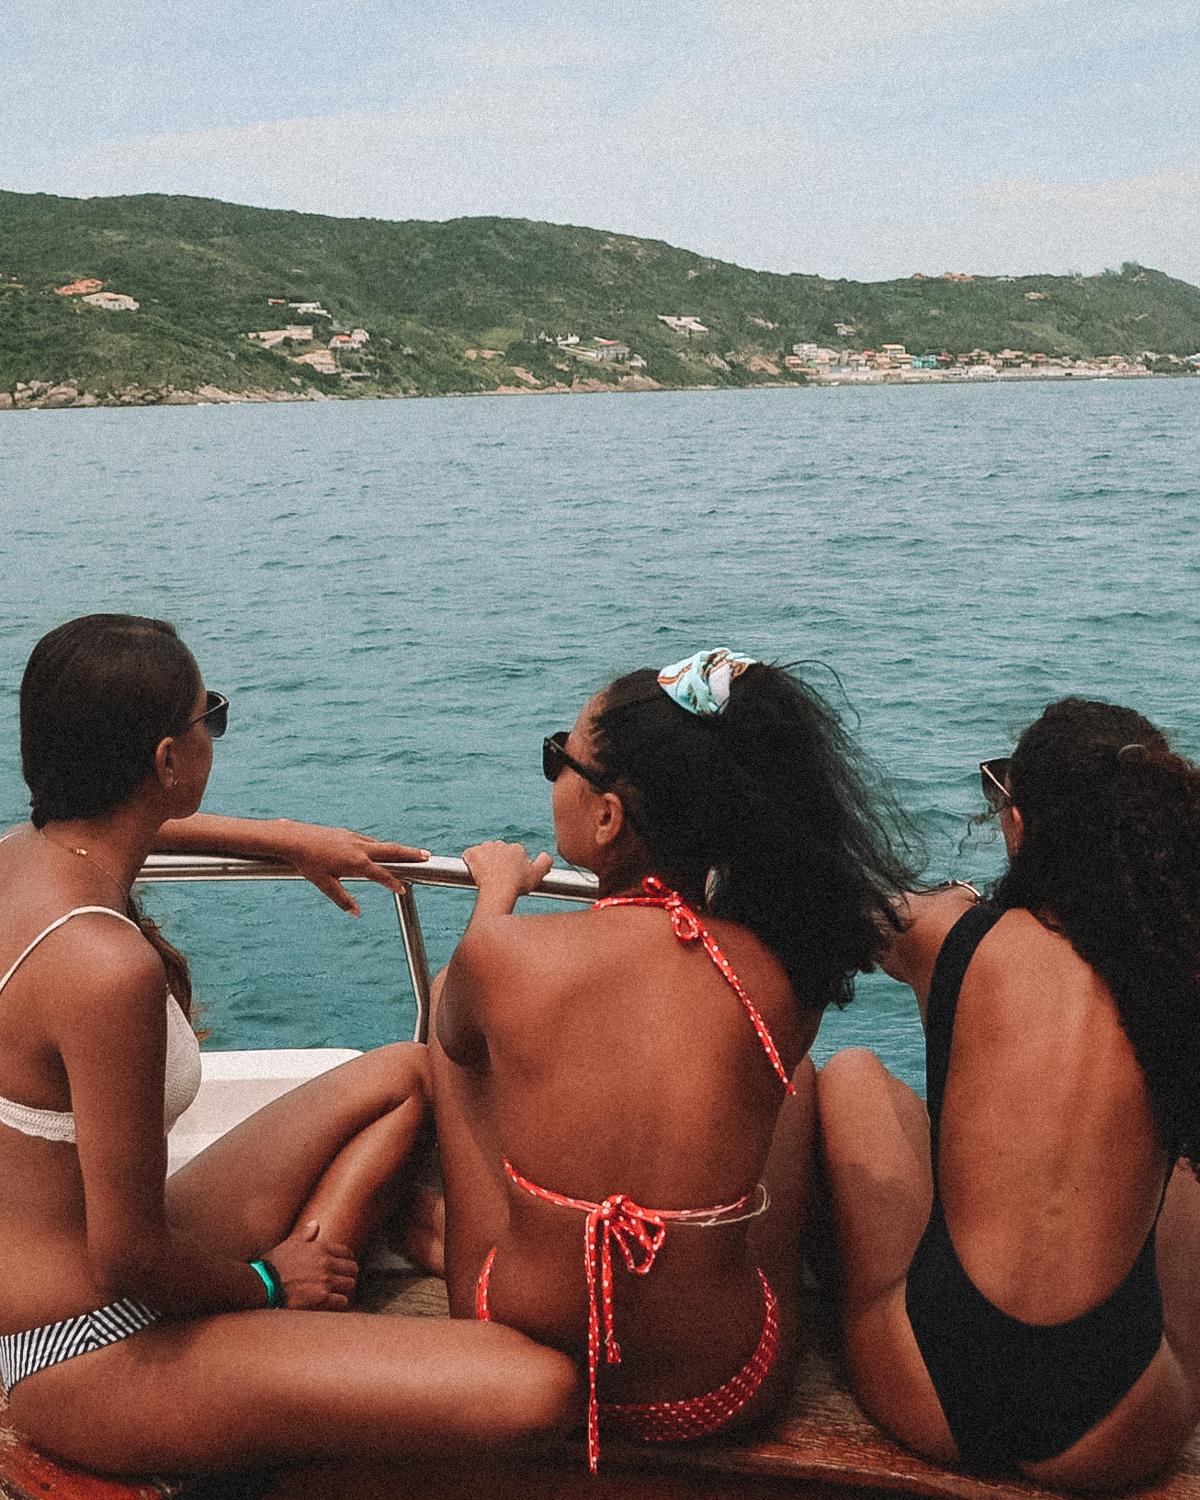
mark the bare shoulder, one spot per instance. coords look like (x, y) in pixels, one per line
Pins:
(98, 961)
(502, 947)
(926, 918)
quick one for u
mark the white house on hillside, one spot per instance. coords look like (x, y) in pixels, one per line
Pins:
(294, 333)
(686, 324)
(112, 302)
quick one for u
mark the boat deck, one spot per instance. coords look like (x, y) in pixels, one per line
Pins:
(823, 1448)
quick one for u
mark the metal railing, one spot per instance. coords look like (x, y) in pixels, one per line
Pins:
(559, 885)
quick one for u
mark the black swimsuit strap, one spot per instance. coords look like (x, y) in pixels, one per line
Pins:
(954, 958)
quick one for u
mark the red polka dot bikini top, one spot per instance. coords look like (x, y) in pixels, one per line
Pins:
(688, 928)
(639, 1232)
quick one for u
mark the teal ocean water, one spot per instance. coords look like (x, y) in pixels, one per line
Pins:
(402, 598)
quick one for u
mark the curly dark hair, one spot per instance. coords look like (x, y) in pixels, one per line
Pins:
(771, 798)
(1111, 851)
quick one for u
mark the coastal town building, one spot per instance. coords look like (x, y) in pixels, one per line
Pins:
(112, 302)
(320, 360)
(81, 288)
(686, 324)
(602, 351)
(352, 340)
(309, 310)
(294, 333)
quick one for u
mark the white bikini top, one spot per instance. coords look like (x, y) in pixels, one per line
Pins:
(183, 1057)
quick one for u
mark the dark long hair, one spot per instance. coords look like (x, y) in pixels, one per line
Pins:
(771, 797)
(1111, 853)
(98, 695)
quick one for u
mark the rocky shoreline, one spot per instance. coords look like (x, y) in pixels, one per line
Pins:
(42, 395)
(33, 395)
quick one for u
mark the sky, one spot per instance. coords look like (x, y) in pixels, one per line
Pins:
(859, 138)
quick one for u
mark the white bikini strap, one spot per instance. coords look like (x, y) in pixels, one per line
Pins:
(77, 911)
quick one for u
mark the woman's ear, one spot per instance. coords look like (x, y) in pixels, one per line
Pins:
(164, 764)
(1012, 825)
(610, 819)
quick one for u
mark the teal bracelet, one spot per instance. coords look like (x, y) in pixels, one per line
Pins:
(269, 1277)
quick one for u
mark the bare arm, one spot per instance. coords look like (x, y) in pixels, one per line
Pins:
(926, 917)
(320, 854)
(109, 1023)
(503, 873)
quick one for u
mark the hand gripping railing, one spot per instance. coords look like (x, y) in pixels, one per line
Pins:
(559, 885)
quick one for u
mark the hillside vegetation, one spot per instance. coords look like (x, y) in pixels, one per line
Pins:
(477, 304)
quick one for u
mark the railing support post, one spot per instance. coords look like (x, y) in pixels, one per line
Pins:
(418, 961)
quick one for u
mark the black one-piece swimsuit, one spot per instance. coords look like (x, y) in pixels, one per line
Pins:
(1014, 1392)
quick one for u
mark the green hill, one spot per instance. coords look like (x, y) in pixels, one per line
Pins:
(476, 304)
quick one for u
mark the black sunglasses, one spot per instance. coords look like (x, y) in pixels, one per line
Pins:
(215, 717)
(992, 776)
(555, 759)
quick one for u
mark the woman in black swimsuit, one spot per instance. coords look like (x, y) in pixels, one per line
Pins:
(1019, 1267)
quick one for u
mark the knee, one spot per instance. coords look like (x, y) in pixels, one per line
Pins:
(542, 1395)
(852, 1082)
(849, 1071)
(400, 1072)
(556, 1405)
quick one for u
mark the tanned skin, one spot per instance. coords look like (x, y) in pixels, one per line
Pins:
(601, 1055)
(222, 1381)
(1050, 1172)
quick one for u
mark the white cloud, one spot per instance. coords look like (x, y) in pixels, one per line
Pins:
(828, 40)
(737, 139)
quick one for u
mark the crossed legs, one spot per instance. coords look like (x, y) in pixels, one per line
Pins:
(248, 1387)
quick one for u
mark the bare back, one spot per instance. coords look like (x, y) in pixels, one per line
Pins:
(1050, 1169)
(616, 1059)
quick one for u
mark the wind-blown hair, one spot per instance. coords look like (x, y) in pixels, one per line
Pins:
(1111, 853)
(98, 695)
(767, 803)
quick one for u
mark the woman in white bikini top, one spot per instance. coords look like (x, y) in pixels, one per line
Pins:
(182, 1072)
(147, 1324)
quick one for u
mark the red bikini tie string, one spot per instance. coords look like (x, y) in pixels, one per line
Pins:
(639, 1233)
(688, 928)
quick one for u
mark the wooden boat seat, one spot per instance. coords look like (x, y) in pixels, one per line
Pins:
(822, 1448)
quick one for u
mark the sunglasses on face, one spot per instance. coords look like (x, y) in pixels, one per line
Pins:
(555, 759)
(215, 717)
(992, 776)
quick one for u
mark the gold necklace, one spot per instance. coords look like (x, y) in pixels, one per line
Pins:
(83, 854)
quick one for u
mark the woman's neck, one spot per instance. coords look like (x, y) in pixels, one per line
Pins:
(115, 846)
(626, 877)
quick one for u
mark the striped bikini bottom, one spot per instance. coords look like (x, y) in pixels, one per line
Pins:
(23, 1354)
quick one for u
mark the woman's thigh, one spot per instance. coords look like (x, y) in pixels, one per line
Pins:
(875, 1151)
(1178, 1247)
(244, 1388)
(245, 1191)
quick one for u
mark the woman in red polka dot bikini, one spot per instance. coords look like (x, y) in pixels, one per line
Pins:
(627, 1090)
